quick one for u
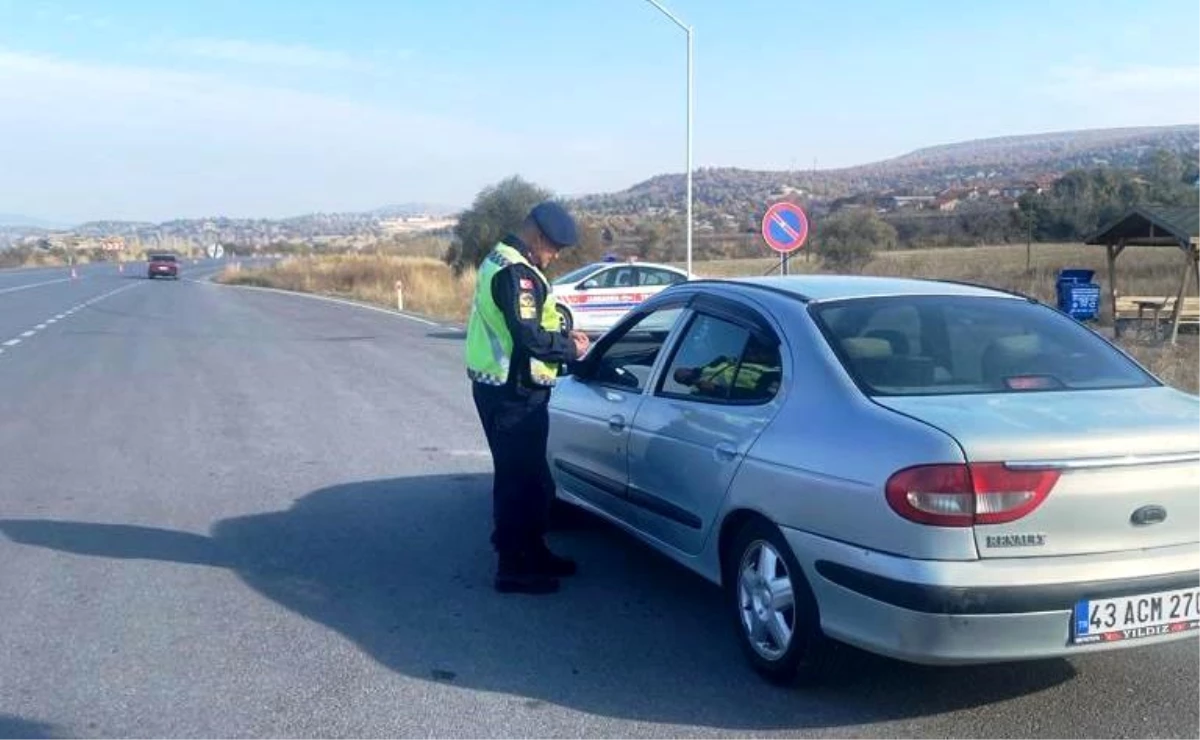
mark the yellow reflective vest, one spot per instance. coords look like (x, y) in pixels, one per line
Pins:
(489, 347)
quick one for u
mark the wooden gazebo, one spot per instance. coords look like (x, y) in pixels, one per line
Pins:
(1153, 226)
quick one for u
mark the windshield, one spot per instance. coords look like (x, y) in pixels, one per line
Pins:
(939, 345)
(163, 258)
(574, 276)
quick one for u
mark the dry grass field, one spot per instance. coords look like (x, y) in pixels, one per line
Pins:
(430, 287)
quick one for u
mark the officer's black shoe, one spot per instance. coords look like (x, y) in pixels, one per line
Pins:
(543, 561)
(515, 576)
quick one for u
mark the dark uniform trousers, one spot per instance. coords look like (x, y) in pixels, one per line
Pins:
(516, 424)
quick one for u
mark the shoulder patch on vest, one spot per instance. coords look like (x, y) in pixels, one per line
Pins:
(527, 304)
(526, 284)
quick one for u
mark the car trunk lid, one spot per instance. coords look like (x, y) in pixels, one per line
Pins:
(1128, 465)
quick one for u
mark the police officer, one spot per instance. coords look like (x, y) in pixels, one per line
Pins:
(515, 347)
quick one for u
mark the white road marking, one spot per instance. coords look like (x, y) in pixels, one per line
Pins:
(62, 316)
(34, 285)
(352, 304)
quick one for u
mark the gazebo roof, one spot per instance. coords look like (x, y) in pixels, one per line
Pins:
(1151, 226)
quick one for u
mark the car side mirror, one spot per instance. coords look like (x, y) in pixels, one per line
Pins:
(589, 285)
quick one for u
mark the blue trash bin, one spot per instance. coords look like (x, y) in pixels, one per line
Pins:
(1078, 296)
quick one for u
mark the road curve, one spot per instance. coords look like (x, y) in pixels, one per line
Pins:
(227, 512)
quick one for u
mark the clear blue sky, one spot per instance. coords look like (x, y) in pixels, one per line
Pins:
(154, 110)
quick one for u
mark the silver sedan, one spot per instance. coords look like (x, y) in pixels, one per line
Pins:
(936, 472)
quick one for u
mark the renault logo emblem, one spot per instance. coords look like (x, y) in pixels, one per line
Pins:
(1148, 515)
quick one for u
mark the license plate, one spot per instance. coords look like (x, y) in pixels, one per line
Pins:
(1136, 617)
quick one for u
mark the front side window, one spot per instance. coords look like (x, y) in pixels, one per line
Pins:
(617, 277)
(937, 345)
(627, 362)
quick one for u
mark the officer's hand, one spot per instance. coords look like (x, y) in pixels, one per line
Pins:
(581, 343)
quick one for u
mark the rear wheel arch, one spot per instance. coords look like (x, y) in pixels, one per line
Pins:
(802, 655)
(730, 526)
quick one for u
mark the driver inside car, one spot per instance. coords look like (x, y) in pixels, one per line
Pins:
(759, 367)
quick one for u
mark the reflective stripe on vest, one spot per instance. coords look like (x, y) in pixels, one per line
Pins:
(489, 343)
(748, 374)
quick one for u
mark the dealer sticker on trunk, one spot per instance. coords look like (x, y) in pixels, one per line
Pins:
(1136, 617)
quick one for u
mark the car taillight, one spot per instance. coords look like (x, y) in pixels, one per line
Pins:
(966, 495)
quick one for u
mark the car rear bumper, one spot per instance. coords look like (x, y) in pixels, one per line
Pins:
(955, 612)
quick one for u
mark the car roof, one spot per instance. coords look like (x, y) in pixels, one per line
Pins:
(816, 288)
(639, 263)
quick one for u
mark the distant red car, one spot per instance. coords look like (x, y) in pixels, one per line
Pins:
(163, 265)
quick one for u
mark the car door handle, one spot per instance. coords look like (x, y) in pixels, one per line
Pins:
(725, 451)
(616, 423)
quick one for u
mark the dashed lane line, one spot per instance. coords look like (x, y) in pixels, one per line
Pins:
(59, 317)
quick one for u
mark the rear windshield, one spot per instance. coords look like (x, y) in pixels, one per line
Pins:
(162, 258)
(940, 345)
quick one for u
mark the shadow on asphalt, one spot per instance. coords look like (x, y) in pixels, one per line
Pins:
(448, 334)
(402, 568)
(18, 727)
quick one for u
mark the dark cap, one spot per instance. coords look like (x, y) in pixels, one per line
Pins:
(555, 223)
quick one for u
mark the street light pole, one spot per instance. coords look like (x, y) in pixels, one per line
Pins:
(688, 30)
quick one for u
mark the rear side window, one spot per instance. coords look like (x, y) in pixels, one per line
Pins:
(718, 361)
(653, 277)
(931, 345)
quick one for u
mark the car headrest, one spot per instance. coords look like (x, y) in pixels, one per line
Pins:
(1018, 344)
(895, 338)
(1017, 354)
(860, 348)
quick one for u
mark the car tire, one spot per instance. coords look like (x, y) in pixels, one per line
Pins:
(564, 318)
(801, 661)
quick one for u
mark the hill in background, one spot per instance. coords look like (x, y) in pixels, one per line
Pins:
(727, 199)
(998, 161)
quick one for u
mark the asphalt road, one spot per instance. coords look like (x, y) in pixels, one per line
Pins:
(234, 513)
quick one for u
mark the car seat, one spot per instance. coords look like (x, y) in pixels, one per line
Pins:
(1016, 354)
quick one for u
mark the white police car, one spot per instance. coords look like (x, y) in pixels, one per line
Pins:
(593, 297)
